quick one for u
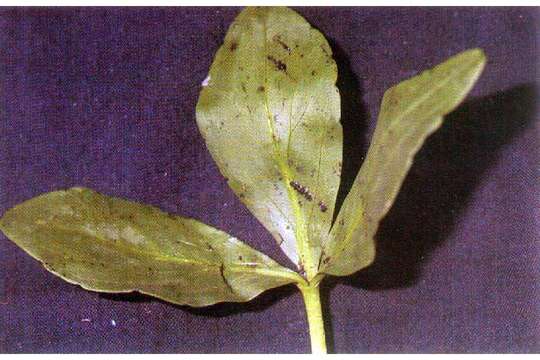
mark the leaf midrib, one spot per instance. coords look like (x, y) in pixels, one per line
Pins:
(300, 229)
(168, 258)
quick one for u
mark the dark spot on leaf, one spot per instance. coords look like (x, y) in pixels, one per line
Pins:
(277, 39)
(323, 206)
(304, 191)
(260, 89)
(210, 247)
(240, 258)
(244, 87)
(326, 260)
(233, 46)
(313, 73)
(280, 65)
(301, 268)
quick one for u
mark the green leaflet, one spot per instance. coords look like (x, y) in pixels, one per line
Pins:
(269, 112)
(410, 112)
(112, 245)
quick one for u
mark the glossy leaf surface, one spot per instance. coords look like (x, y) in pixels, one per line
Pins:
(112, 245)
(269, 112)
(410, 112)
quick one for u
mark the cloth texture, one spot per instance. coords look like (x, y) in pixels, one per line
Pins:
(105, 98)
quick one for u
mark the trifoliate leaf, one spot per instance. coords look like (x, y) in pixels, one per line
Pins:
(269, 112)
(112, 245)
(410, 112)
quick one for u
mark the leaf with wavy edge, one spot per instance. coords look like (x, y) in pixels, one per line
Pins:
(269, 112)
(410, 112)
(112, 245)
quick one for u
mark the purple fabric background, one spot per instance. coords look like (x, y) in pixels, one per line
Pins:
(105, 98)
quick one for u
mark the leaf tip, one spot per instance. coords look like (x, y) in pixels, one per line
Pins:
(479, 54)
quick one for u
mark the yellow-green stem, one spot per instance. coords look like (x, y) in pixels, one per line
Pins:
(312, 301)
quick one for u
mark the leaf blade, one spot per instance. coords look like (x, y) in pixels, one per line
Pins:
(272, 91)
(410, 112)
(109, 244)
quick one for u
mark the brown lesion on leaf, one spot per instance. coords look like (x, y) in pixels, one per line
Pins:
(302, 190)
(233, 46)
(129, 217)
(243, 86)
(301, 268)
(285, 47)
(323, 259)
(260, 89)
(280, 65)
